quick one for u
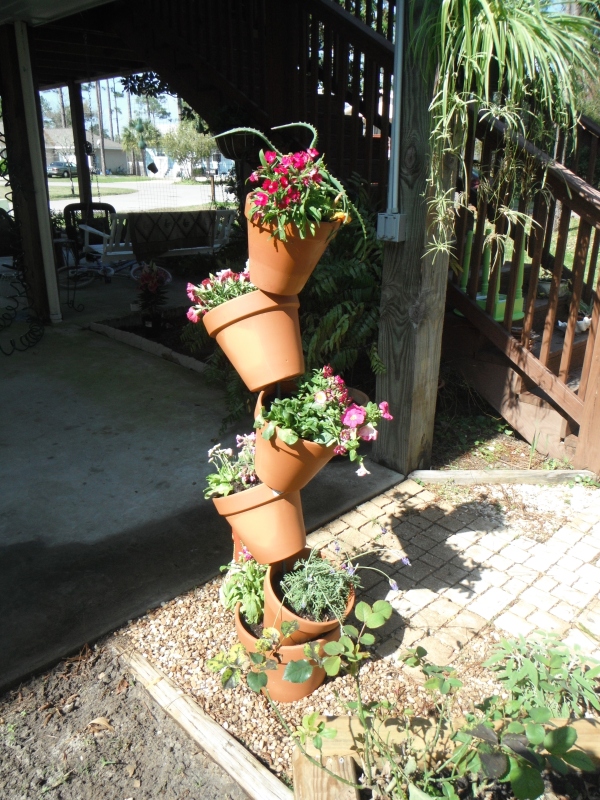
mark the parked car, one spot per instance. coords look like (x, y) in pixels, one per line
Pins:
(61, 169)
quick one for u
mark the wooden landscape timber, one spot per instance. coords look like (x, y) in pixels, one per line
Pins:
(255, 779)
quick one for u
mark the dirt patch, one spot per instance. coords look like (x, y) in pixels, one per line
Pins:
(85, 731)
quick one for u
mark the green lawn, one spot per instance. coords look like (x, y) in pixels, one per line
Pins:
(64, 191)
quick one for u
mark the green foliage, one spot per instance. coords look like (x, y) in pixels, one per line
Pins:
(545, 672)
(244, 584)
(188, 147)
(315, 587)
(234, 472)
(510, 60)
(339, 315)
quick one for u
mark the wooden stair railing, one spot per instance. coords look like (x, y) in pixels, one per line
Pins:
(494, 294)
(271, 63)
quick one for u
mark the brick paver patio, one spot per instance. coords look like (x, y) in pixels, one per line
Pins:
(470, 571)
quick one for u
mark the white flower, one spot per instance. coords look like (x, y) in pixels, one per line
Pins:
(362, 470)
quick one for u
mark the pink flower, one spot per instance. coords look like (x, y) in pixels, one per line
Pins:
(312, 152)
(362, 470)
(206, 282)
(270, 156)
(190, 291)
(193, 315)
(272, 188)
(284, 182)
(354, 416)
(286, 161)
(299, 160)
(315, 175)
(339, 450)
(280, 170)
(293, 194)
(327, 371)
(367, 433)
(284, 202)
(261, 199)
(254, 177)
(385, 410)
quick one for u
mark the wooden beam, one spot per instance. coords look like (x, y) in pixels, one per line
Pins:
(255, 779)
(21, 175)
(587, 454)
(413, 291)
(525, 362)
(313, 783)
(78, 123)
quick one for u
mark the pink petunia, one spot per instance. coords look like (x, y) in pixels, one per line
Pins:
(367, 433)
(385, 410)
(192, 315)
(190, 291)
(354, 416)
(270, 156)
(261, 199)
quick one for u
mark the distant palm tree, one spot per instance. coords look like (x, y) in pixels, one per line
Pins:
(131, 138)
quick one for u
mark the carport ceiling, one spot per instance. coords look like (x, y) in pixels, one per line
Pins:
(84, 47)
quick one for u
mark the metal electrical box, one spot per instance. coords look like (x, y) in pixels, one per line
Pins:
(391, 227)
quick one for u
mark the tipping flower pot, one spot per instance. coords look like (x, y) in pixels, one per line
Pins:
(260, 334)
(276, 612)
(284, 267)
(270, 524)
(279, 689)
(284, 467)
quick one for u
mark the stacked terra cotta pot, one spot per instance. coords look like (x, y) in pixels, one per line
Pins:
(260, 334)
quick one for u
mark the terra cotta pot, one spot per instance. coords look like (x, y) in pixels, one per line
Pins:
(276, 613)
(283, 691)
(260, 334)
(269, 523)
(285, 467)
(284, 267)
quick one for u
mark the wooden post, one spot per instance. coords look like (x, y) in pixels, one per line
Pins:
(413, 292)
(21, 175)
(84, 180)
(101, 129)
(587, 454)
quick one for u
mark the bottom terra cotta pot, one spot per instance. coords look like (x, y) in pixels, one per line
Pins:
(279, 689)
(269, 523)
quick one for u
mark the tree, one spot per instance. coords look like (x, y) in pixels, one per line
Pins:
(132, 137)
(188, 147)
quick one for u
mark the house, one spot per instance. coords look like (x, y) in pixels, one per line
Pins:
(59, 146)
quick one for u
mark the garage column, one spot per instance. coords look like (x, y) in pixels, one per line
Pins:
(37, 170)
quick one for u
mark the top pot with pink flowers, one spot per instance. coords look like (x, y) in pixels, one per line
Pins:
(294, 209)
(302, 431)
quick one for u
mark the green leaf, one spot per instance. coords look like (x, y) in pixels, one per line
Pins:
(297, 671)
(558, 765)
(375, 621)
(269, 431)
(535, 733)
(328, 733)
(256, 681)
(362, 611)
(579, 760)
(559, 740)
(414, 793)
(317, 741)
(332, 665)
(367, 639)
(540, 714)
(288, 436)
(515, 727)
(333, 648)
(383, 607)
(495, 765)
(350, 630)
(256, 658)
(230, 678)
(526, 782)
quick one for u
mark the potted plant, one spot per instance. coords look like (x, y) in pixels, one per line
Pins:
(260, 651)
(302, 431)
(152, 296)
(294, 211)
(258, 332)
(312, 592)
(269, 523)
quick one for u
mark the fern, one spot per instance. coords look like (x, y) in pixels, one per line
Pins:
(340, 305)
